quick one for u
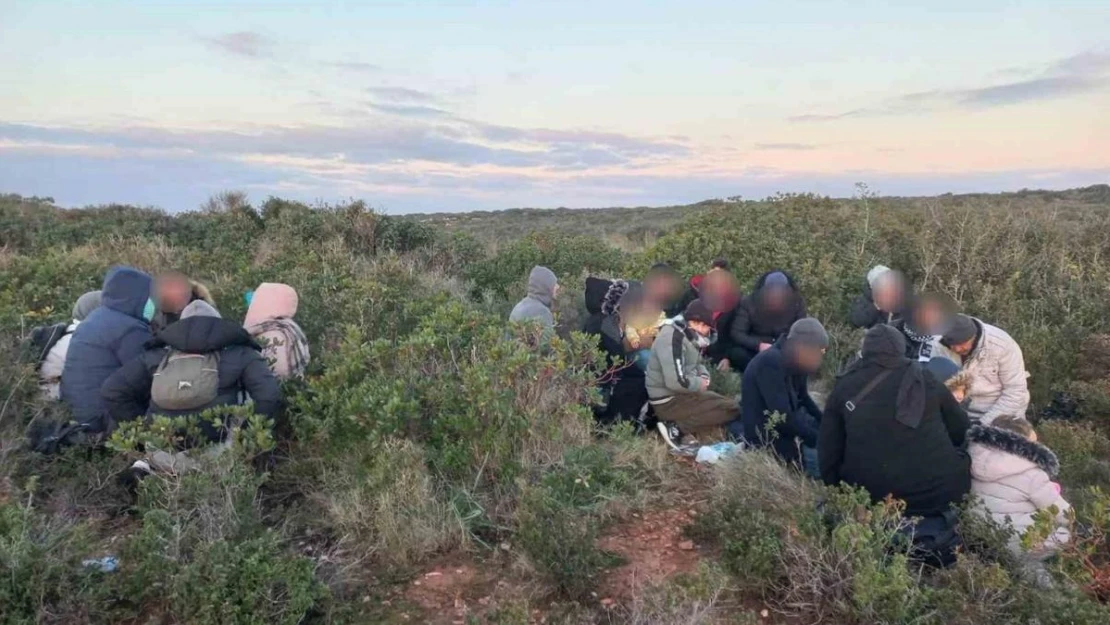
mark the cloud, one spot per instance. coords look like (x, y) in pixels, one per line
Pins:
(450, 141)
(410, 110)
(1087, 72)
(244, 43)
(355, 66)
(791, 147)
(402, 95)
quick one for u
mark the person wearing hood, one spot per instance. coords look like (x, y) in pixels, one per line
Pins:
(175, 376)
(174, 291)
(764, 316)
(885, 295)
(892, 428)
(113, 334)
(270, 322)
(51, 344)
(543, 287)
(677, 381)
(1011, 474)
(626, 389)
(998, 381)
(777, 383)
(597, 291)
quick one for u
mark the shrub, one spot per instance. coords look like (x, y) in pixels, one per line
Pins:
(40, 556)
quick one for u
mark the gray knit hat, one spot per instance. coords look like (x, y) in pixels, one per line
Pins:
(962, 330)
(809, 332)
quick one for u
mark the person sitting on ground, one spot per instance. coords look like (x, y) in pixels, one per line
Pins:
(175, 291)
(776, 382)
(197, 363)
(928, 316)
(694, 288)
(892, 428)
(995, 366)
(543, 287)
(678, 383)
(112, 334)
(663, 290)
(764, 316)
(51, 344)
(626, 389)
(882, 301)
(270, 322)
(721, 293)
(1011, 474)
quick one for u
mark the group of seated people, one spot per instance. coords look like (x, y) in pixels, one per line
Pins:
(930, 408)
(143, 346)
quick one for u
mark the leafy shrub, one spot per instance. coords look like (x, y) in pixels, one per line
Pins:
(561, 542)
(40, 558)
(505, 275)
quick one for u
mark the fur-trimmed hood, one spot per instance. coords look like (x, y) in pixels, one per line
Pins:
(1023, 451)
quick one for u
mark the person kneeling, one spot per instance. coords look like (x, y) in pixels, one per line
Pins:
(678, 382)
(195, 364)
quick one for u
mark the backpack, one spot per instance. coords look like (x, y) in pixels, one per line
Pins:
(42, 340)
(185, 381)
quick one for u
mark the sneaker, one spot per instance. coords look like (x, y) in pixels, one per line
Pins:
(670, 433)
(134, 474)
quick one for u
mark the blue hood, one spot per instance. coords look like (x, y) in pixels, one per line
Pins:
(126, 290)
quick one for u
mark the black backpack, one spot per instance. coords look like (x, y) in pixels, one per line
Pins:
(42, 340)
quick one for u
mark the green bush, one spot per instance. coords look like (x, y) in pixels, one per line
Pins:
(40, 558)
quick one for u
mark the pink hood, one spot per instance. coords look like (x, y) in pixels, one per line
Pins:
(271, 300)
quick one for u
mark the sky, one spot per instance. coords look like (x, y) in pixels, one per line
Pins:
(438, 105)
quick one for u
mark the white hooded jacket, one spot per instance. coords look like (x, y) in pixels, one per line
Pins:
(1012, 476)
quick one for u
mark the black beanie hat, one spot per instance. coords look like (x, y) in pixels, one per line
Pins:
(698, 311)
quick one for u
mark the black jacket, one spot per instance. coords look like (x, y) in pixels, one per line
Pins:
(126, 394)
(754, 324)
(771, 386)
(864, 314)
(927, 466)
(596, 288)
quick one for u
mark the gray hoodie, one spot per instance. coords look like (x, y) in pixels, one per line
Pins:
(536, 307)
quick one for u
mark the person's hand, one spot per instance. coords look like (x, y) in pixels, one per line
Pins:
(764, 347)
(723, 365)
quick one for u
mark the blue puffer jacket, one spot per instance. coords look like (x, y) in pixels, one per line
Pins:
(111, 336)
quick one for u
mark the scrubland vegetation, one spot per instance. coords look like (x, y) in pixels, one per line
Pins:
(428, 433)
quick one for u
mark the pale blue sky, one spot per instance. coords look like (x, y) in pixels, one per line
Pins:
(436, 105)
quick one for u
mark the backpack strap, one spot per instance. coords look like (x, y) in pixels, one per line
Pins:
(851, 404)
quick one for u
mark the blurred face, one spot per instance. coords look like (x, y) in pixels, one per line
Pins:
(929, 317)
(888, 293)
(718, 290)
(774, 298)
(960, 393)
(808, 358)
(701, 328)
(662, 288)
(555, 291)
(174, 293)
(964, 348)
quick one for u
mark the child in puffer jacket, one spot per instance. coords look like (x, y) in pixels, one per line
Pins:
(1012, 474)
